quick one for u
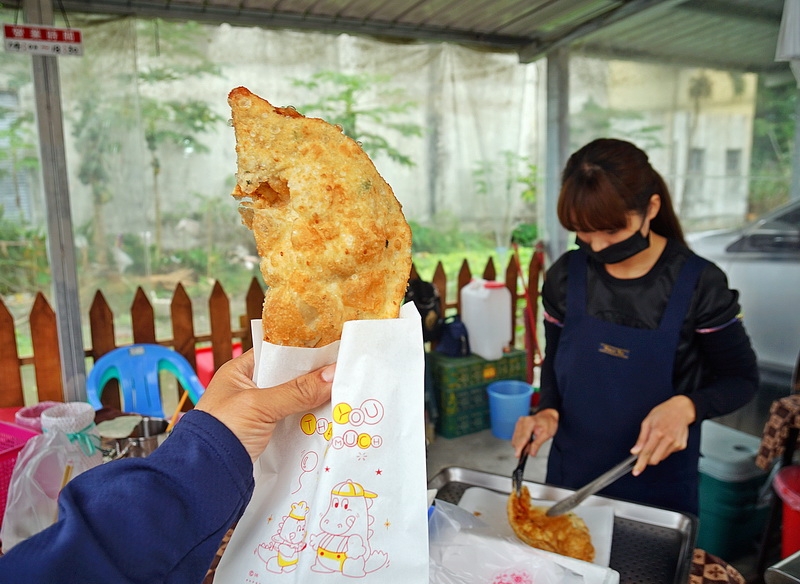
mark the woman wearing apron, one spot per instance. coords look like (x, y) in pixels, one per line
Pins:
(643, 338)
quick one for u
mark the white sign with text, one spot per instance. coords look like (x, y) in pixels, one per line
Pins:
(42, 40)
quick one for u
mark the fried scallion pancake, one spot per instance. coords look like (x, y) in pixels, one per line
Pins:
(333, 241)
(565, 534)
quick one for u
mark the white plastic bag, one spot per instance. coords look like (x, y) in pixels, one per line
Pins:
(68, 446)
(464, 550)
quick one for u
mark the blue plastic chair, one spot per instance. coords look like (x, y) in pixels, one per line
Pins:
(137, 368)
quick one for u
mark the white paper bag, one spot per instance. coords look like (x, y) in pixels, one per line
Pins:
(341, 491)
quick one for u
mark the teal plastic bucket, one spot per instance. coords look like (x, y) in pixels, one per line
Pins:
(508, 400)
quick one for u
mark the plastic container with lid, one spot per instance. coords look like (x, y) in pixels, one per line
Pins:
(732, 510)
(787, 485)
(486, 312)
(31, 416)
(728, 454)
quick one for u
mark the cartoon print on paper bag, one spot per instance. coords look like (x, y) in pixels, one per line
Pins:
(283, 552)
(343, 544)
(307, 465)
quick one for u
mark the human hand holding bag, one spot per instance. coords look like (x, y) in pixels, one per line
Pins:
(341, 491)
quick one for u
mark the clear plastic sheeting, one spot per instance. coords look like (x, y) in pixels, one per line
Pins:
(470, 107)
(464, 549)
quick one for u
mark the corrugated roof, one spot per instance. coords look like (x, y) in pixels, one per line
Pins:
(727, 34)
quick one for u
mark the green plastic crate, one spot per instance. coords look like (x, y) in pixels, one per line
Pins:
(460, 388)
(465, 400)
(462, 423)
(461, 372)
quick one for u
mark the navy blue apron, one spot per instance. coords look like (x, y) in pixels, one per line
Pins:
(609, 377)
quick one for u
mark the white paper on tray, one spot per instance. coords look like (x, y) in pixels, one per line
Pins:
(341, 491)
(490, 506)
(466, 549)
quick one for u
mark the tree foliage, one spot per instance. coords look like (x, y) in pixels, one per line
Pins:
(595, 121)
(773, 145)
(500, 183)
(19, 157)
(167, 54)
(23, 257)
(358, 103)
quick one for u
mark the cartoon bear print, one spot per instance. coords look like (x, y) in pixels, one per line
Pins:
(282, 553)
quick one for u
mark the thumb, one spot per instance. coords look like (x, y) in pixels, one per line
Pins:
(301, 394)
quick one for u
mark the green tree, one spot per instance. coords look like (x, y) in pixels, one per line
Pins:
(172, 123)
(23, 252)
(18, 158)
(98, 102)
(18, 155)
(700, 90)
(95, 143)
(359, 102)
(23, 257)
(773, 145)
(500, 183)
(595, 121)
(166, 53)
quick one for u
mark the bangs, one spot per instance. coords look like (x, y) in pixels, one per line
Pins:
(592, 203)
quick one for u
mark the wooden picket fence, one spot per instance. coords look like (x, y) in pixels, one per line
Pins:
(46, 358)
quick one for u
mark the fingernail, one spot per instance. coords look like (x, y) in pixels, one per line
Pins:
(328, 372)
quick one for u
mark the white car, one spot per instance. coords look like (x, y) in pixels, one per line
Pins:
(762, 261)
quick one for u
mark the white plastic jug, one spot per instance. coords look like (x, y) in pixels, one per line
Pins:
(486, 312)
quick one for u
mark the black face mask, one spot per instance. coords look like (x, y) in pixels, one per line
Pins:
(617, 252)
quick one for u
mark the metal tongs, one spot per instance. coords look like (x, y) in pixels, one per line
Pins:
(516, 476)
(605, 479)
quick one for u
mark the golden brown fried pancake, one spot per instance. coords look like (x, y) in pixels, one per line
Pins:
(564, 534)
(333, 241)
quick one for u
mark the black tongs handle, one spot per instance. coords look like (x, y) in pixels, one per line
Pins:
(516, 476)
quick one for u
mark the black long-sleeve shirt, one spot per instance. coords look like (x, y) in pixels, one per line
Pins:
(715, 365)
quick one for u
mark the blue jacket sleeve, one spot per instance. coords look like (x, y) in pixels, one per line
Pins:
(149, 520)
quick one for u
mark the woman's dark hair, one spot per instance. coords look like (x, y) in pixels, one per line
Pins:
(604, 181)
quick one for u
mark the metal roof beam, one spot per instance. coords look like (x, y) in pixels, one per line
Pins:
(541, 47)
(252, 17)
(696, 61)
(729, 9)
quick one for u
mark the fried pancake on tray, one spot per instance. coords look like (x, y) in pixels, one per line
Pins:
(565, 534)
(333, 241)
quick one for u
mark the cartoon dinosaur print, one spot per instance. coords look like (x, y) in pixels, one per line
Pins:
(283, 552)
(343, 544)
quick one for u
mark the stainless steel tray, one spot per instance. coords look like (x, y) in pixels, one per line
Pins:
(649, 545)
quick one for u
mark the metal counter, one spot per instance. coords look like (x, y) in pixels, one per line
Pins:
(649, 545)
(787, 571)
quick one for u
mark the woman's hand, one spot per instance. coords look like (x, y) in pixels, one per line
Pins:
(251, 412)
(542, 426)
(665, 430)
